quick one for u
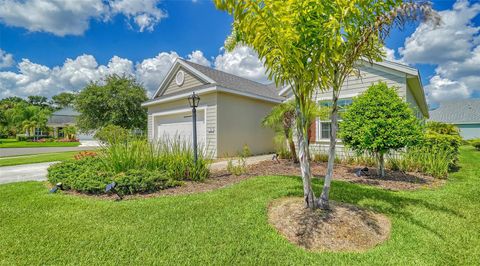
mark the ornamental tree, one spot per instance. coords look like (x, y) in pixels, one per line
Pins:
(314, 44)
(379, 121)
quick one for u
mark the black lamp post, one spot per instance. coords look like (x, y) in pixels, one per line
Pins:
(193, 100)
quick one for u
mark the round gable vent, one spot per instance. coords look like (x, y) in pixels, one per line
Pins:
(180, 77)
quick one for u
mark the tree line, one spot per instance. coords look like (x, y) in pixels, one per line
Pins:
(115, 100)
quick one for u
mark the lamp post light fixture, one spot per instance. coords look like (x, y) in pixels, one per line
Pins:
(193, 101)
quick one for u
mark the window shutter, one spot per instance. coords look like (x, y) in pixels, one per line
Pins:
(312, 136)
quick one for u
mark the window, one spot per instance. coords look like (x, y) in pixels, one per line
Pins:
(325, 130)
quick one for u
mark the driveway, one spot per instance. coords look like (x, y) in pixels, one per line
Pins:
(24, 151)
(26, 172)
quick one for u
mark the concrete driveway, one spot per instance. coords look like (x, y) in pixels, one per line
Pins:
(26, 172)
(4, 152)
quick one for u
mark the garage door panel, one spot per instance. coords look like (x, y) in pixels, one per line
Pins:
(180, 126)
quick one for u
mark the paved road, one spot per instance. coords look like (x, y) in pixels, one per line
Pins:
(26, 172)
(38, 171)
(24, 151)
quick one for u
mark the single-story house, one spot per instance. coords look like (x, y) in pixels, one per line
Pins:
(465, 114)
(229, 114)
(232, 108)
(67, 117)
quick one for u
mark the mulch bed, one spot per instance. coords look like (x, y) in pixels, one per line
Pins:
(394, 180)
(344, 227)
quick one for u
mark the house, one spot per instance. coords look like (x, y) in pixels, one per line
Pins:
(406, 79)
(232, 108)
(229, 114)
(67, 117)
(465, 114)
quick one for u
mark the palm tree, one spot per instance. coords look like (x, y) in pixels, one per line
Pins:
(282, 119)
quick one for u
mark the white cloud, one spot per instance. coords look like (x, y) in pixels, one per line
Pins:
(453, 47)
(75, 74)
(452, 40)
(68, 17)
(198, 57)
(390, 55)
(150, 72)
(6, 59)
(441, 89)
(144, 13)
(242, 61)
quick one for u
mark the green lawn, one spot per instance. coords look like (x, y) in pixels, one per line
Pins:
(229, 226)
(13, 143)
(37, 158)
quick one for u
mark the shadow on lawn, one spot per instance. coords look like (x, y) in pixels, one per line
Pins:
(379, 200)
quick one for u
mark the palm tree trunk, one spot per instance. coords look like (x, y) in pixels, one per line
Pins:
(324, 198)
(291, 144)
(302, 137)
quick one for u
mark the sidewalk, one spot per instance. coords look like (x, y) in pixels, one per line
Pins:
(38, 171)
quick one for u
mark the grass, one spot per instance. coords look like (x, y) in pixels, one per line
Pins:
(37, 158)
(13, 143)
(229, 226)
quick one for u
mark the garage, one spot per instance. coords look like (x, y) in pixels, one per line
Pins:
(179, 125)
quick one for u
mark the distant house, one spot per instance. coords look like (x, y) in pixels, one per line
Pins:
(465, 114)
(63, 118)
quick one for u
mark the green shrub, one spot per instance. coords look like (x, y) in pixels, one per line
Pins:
(434, 161)
(320, 157)
(137, 166)
(237, 168)
(475, 143)
(280, 144)
(88, 175)
(446, 143)
(442, 128)
(112, 134)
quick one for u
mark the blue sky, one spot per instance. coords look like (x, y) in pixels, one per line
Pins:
(61, 48)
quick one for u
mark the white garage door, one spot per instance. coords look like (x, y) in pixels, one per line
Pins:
(180, 125)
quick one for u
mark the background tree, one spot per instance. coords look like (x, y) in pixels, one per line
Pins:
(442, 128)
(63, 99)
(379, 121)
(38, 100)
(117, 102)
(314, 44)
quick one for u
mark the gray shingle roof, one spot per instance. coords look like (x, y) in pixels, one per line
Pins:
(234, 82)
(64, 116)
(457, 112)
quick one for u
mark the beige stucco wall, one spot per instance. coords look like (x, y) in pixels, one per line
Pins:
(239, 123)
(206, 100)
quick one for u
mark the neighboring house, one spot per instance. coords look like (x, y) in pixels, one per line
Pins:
(406, 79)
(465, 114)
(229, 114)
(232, 108)
(63, 118)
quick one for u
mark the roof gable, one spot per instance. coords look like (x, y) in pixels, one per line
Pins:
(192, 78)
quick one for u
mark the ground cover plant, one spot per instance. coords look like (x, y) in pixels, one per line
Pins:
(230, 226)
(135, 165)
